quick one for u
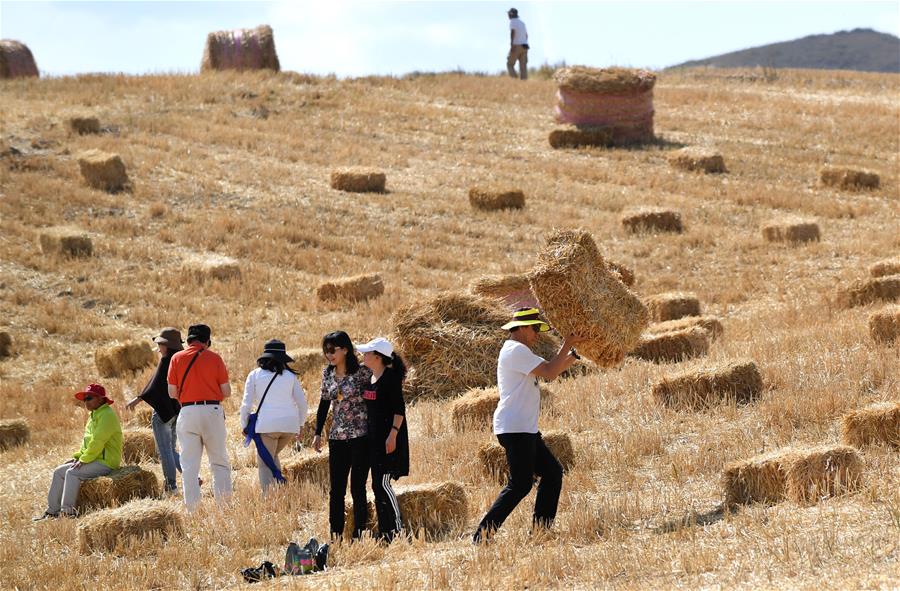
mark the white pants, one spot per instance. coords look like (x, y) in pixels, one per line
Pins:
(198, 427)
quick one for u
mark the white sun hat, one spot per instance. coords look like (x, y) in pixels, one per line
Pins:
(380, 344)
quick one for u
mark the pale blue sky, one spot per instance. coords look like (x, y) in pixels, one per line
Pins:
(359, 38)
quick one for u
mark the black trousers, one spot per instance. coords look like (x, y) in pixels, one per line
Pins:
(348, 457)
(527, 456)
(386, 506)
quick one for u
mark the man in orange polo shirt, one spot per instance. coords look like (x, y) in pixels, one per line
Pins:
(198, 379)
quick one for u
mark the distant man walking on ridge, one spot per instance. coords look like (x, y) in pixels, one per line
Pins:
(198, 379)
(518, 46)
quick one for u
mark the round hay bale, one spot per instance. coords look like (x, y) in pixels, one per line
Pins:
(672, 306)
(65, 241)
(710, 324)
(878, 424)
(13, 432)
(121, 486)
(885, 267)
(848, 178)
(351, 289)
(84, 125)
(493, 456)
(697, 160)
(16, 60)
(884, 325)
(696, 389)
(794, 231)
(869, 291)
(823, 472)
(105, 530)
(673, 346)
(138, 445)
(122, 358)
(311, 468)
(488, 199)
(474, 410)
(513, 290)
(211, 267)
(240, 49)
(579, 295)
(103, 171)
(358, 179)
(761, 479)
(652, 219)
(5, 345)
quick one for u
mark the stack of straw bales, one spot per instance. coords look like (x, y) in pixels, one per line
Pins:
(138, 445)
(84, 125)
(5, 344)
(801, 475)
(307, 359)
(121, 486)
(102, 170)
(697, 160)
(885, 267)
(105, 530)
(672, 306)
(491, 199)
(311, 468)
(358, 179)
(602, 107)
(16, 60)
(873, 425)
(790, 230)
(66, 241)
(211, 266)
(652, 219)
(673, 346)
(351, 289)
(869, 291)
(493, 456)
(474, 410)
(118, 359)
(434, 510)
(13, 432)
(513, 290)
(884, 325)
(241, 49)
(693, 390)
(709, 323)
(848, 178)
(579, 295)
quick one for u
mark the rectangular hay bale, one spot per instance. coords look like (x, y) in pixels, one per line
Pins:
(66, 241)
(869, 291)
(884, 325)
(119, 487)
(823, 472)
(493, 456)
(103, 170)
(474, 410)
(581, 136)
(84, 125)
(211, 266)
(311, 468)
(121, 358)
(358, 179)
(761, 479)
(6, 348)
(794, 231)
(651, 219)
(351, 289)
(885, 267)
(739, 381)
(696, 159)
(105, 530)
(672, 306)
(848, 178)
(872, 425)
(138, 445)
(491, 199)
(673, 346)
(710, 324)
(13, 432)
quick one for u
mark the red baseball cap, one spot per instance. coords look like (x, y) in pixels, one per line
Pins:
(95, 391)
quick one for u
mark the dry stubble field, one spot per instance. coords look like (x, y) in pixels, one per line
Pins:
(211, 174)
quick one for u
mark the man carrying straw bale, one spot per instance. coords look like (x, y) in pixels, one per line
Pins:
(198, 379)
(100, 454)
(518, 46)
(516, 422)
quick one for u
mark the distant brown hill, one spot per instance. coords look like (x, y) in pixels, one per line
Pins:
(860, 49)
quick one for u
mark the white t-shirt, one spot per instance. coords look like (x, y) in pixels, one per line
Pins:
(520, 36)
(285, 407)
(520, 398)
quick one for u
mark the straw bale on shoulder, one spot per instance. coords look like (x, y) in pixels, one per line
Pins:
(351, 289)
(652, 219)
(5, 344)
(474, 410)
(358, 179)
(120, 486)
(885, 267)
(761, 479)
(311, 468)
(823, 472)
(434, 510)
(698, 159)
(105, 530)
(118, 359)
(13, 432)
(869, 291)
(102, 170)
(16, 60)
(673, 346)
(581, 136)
(672, 306)
(84, 125)
(138, 445)
(710, 324)
(211, 266)
(696, 389)
(241, 49)
(790, 231)
(66, 241)
(884, 325)
(493, 457)
(578, 294)
(872, 425)
(491, 199)
(848, 178)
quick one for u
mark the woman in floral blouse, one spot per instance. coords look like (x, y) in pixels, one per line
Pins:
(343, 382)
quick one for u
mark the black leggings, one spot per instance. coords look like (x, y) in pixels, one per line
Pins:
(348, 457)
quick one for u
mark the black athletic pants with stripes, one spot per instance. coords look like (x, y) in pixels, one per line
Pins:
(386, 506)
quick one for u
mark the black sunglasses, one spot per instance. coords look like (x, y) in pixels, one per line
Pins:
(87, 398)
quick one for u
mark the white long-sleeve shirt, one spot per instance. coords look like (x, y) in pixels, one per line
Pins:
(285, 407)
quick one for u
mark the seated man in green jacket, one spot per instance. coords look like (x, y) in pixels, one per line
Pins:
(100, 454)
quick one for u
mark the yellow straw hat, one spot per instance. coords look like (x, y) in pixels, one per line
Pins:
(527, 317)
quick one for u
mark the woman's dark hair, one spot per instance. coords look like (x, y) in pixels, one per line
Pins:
(395, 362)
(274, 365)
(341, 339)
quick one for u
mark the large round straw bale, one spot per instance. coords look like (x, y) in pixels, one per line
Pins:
(475, 409)
(697, 159)
(873, 425)
(105, 530)
(351, 289)
(884, 325)
(673, 346)
(885, 267)
(490, 199)
(16, 60)
(13, 432)
(84, 125)
(122, 485)
(358, 179)
(118, 359)
(66, 241)
(672, 306)
(241, 49)
(311, 468)
(307, 359)
(869, 291)
(138, 445)
(102, 170)
(493, 455)
(823, 472)
(581, 136)
(579, 295)
(848, 178)
(211, 266)
(738, 380)
(711, 324)
(760, 479)
(514, 290)
(652, 219)
(5, 344)
(790, 231)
